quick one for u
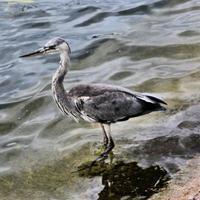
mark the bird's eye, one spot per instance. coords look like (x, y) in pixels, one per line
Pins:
(52, 47)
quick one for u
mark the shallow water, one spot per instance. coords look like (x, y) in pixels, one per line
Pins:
(148, 46)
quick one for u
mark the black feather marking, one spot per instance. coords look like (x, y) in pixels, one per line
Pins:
(79, 105)
(156, 100)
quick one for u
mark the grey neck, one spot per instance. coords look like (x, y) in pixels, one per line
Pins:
(63, 68)
(58, 77)
(63, 100)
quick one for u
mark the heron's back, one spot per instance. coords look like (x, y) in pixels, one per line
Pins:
(109, 104)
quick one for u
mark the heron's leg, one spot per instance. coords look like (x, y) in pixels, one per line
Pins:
(110, 145)
(108, 149)
(105, 137)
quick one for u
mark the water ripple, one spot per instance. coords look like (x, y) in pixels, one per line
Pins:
(147, 46)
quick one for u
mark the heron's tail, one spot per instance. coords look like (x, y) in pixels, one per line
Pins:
(158, 103)
(152, 103)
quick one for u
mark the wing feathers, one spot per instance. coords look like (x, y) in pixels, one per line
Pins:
(150, 99)
(108, 104)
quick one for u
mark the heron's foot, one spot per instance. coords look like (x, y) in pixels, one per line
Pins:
(96, 165)
(100, 158)
(105, 154)
(99, 149)
(102, 148)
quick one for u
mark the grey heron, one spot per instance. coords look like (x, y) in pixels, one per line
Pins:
(96, 103)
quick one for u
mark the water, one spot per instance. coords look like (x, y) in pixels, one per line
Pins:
(148, 46)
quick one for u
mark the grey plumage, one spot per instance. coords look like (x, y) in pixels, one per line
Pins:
(108, 104)
(101, 103)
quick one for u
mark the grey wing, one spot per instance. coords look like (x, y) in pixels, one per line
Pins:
(99, 89)
(111, 107)
(107, 103)
(96, 89)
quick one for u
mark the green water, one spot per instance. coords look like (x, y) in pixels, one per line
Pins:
(148, 46)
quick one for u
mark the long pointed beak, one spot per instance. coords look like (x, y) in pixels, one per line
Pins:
(35, 53)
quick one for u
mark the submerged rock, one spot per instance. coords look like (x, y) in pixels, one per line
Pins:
(185, 185)
(189, 124)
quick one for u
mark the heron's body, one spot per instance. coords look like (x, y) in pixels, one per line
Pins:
(100, 103)
(107, 103)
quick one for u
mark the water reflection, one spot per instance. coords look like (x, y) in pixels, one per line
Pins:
(148, 46)
(127, 180)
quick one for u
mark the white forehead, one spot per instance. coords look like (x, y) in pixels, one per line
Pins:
(55, 42)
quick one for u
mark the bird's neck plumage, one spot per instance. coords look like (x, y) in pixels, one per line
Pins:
(58, 78)
(62, 98)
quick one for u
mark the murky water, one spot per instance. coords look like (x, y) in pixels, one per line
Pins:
(146, 45)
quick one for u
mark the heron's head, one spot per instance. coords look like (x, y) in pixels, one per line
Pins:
(53, 46)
